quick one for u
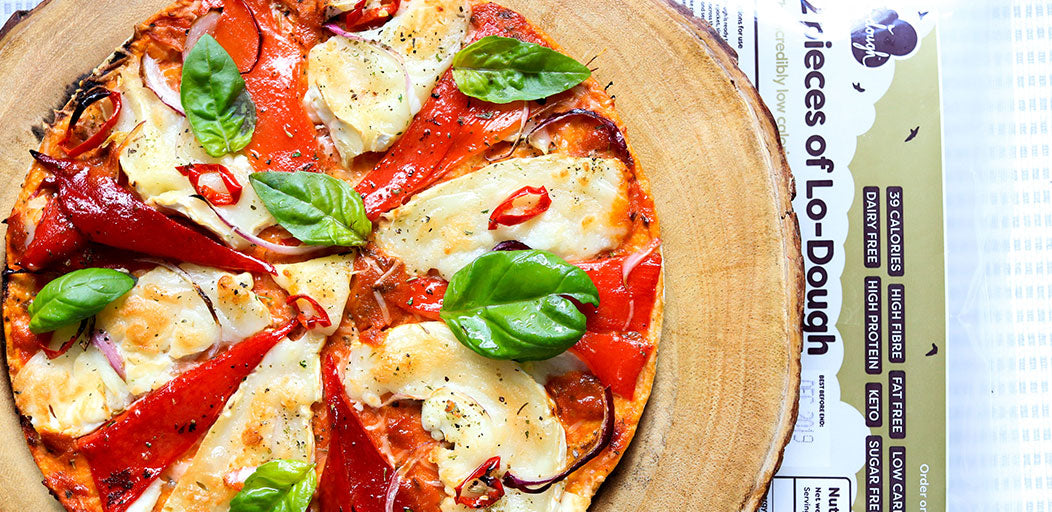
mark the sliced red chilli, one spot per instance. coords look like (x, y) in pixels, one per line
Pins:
(512, 211)
(194, 172)
(317, 317)
(53, 353)
(83, 103)
(482, 488)
(361, 18)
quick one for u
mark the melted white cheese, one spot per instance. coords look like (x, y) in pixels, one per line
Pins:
(326, 280)
(163, 319)
(72, 394)
(269, 417)
(157, 324)
(427, 33)
(148, 498)
(241, 312)
(482, 407)
(446, 226)
(165, 142)
(358, 89)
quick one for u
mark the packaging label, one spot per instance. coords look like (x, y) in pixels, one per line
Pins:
(855, 94)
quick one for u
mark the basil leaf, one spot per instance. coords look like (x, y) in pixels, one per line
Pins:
(315, 207)
(502, 70)
(514, 305)
(76, 296)
(277, 486)
(217, 104)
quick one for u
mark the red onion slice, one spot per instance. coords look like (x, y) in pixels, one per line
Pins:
(101, 340)
(631, 314)
(511, 245)
(204, 25)
(606, 435)
(288, 250)
(81, 102)
(634, 259)
(336, 29)
(399, 476)
(518, 135)
(259, 39)
(392, 491)
(613, 133)
(540, 139)
(155, 81)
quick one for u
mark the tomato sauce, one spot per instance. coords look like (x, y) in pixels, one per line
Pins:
(397, 426)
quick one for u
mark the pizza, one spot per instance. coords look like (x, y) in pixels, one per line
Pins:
(369, 255)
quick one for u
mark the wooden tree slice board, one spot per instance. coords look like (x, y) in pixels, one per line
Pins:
(724, 400)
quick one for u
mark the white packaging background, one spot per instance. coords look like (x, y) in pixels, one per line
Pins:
(996, 71)
(996, 68)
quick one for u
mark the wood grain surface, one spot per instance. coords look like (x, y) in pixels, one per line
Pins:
(724, 400)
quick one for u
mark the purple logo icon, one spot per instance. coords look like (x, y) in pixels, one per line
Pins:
(880, 36)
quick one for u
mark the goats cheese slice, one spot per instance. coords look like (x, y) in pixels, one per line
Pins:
(446, 226)
(481, 407)
(268, 418)
(164, 142)
(366, 90)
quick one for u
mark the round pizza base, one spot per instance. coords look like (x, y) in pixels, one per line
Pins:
(724, 397)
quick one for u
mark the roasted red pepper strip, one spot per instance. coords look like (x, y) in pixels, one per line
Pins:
(127, 454)
(615, 358)
(318, 317)
(494, 487)
(490, 19)
(614, 347)
(99, 136)
(356, 475)
(107, 213)
(238, 23)
(194, 172)
(361, 18)
(622, 306)
(502, 215)
(285, 138)
(450, 127)
(422, 296)
(53, 239)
